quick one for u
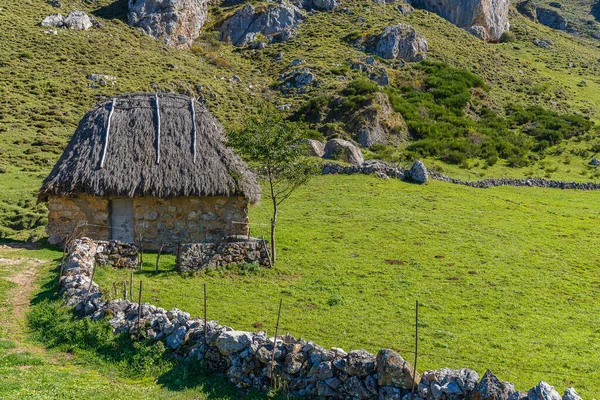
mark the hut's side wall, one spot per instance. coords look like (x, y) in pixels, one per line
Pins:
(83, 215)
(188, 219)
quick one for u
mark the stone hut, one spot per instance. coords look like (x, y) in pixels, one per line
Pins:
(149, 166)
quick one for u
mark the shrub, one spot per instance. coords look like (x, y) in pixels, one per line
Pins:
(508, 37)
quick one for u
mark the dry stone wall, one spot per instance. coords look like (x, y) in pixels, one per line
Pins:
(382, 170)
(116, 254)
(306, 369)
(197, 256)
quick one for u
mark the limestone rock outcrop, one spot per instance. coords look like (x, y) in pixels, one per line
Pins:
(315, 148)
(276, 22)
(77, 20)
(400, 42)
(418, 173)
(320, 5)
(377, 123)
(343, 150)
(491, 388)
(491, 15)
(176, 22)
(545, 16)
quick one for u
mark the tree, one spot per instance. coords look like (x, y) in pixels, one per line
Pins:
(276, 149)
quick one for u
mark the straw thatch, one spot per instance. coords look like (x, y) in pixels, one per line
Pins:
(131, 164)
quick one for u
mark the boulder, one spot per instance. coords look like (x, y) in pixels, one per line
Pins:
(571, 394)
(377, 123)
(405, 9)
(551, 18)
(103, 80)
(315, 148)
(479, 32)
(343, 150)
(55, 20)
(275, 21)
(321, 5)
(418, 172)
(491, 388)
(355, 389)
(175, 339)
(450, 383)
(78, 20)
(545, 44)
(373, 69)
(233, 341)
(400, 42)
(297, 79)
(543, 391)
(594, 161)
(176, 22)
(491, 15)
(393, 370)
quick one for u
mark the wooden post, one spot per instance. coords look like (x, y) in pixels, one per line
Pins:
(275, 340)
(160, 249)
(131, 286)
(116, 290)
(139, 312)
(205, 324)
(124, 290)
(412, 396)
(141, 252)
(177, 255)
(267, 250)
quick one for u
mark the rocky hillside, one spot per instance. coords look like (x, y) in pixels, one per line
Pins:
(492, 90)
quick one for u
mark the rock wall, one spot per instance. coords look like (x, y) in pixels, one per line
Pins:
(491, 15)
(306, 369)
(385, 171)
(197, 256)
(116, 254)
(156, 220)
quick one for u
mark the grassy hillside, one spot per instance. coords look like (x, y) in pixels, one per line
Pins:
(506, 277)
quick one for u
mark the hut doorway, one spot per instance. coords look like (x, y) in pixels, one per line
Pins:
(121, 220)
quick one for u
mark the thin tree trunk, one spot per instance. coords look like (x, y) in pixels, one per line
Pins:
(273, 225)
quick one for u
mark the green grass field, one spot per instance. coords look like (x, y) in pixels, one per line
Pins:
(507, 278)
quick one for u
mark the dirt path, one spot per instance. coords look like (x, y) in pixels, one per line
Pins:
(24, 274)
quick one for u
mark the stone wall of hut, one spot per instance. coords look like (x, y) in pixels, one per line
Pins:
(156, 220)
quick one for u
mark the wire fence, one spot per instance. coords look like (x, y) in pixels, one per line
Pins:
(370, 333)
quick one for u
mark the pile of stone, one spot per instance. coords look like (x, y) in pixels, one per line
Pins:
(116, 253)
(198, 256)
(303, 367)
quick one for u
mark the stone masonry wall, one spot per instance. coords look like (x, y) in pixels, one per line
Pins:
(83, 215)
(116, 253)
(306, 369)
(196, 256)
(188, 220)
(156, 220)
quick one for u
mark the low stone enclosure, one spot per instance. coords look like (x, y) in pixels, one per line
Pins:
(300, 367)
(383, 170)
(190, 256)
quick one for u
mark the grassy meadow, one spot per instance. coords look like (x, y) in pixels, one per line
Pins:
(507, 278)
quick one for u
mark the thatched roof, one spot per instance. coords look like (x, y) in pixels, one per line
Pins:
(142, 159)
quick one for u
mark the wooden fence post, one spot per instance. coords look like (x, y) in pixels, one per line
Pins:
(275, 340)
(139, 312)
(205, 325)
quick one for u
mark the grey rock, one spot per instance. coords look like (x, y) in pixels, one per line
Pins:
(551, 18)
(324, 390)
(275, 21)
(295, 62)
(78, 20)
(405, 9)
(594, 161)
(233, 341)
(546, 44)
(322, 371)
(294, 363)
(297, 79)
(393, 370)
(360, 363)
(389, 393)
(175, 339)
(519, 395)
(492, 15)
(321, 5)
(176, 22)
(418, 172)
(355, 388)
(343, 150)
(543, 391)
(571, 394)
(55, 20)
(315, 148)
(479, 32)
(102, 80)
(400, 42)
(491, 388)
